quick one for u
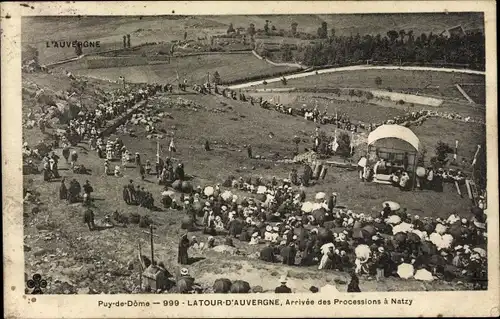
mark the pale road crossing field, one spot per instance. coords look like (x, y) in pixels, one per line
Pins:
(354, 68)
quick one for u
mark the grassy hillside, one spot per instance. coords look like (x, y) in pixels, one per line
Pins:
(109, 30)
(60, 246)
(194, 68)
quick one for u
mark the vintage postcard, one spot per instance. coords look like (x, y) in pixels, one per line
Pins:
(319, 159)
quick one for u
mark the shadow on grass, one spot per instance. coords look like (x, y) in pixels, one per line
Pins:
(193, 260)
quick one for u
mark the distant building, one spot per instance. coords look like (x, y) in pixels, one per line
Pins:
(454, 31)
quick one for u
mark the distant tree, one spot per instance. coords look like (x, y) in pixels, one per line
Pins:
(423, 38)
(294, 28)
(332, 33)
(185, 35)
(273, 28)
(216, 78)
(402, 34)
(266, 27)
(31, 53)
(128, 40)
(411, 37)
(322, 31)
(124, 41)
(230, 29)
(286, 53)
(78, 49)
(392, 35)
(251, 30)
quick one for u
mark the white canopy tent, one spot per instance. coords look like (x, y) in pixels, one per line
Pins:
(392, 143)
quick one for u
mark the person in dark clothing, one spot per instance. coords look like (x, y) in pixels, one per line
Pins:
(63, 191)
(354, 284)
(65, 153)
(207, 146)
(332, 202)
(159, 167)
(138, 195)
(126, 197)
(88, 218)
(288, 253)
(249, 151)
(74, 191)
(306, 175)
(142, 171)
(387, 211)
(382, 264)
(87, 189)
(137, 159)
(131, 191)
(267, 254)
(308, 253)
(283, 289)
(182, 257)
(179, 172)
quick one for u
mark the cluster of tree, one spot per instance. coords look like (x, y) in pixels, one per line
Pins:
(401, 46)
(393, 47)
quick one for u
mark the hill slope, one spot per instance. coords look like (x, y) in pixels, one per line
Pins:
(109, 30)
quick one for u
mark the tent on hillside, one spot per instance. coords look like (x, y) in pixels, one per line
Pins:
(392, 143)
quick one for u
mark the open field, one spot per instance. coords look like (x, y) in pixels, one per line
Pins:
(193, 68)
(98, 260)
(440, 84)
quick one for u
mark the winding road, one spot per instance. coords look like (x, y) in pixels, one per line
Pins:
(353, 68)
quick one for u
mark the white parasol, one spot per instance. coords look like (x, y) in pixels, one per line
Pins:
(406, 271)
(227, 195)
(424, 275)
(402, 228)
(453, 219)
(480, 251)
(362, 252)
(208, 191)
(393, 220)
(440, 229)
(320, 196)
(261, 190)
(307, 207)
(420, 171)
(393, 205)
(167, 193)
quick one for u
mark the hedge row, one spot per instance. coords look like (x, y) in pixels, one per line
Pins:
(259, 77)
(116, 62)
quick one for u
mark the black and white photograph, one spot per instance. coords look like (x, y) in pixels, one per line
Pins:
(269, 153)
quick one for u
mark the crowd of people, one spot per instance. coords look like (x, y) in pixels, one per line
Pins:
(342, 120)
(277, 217)
(296, 232)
